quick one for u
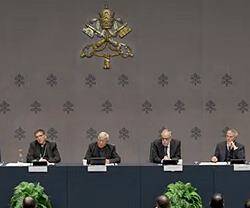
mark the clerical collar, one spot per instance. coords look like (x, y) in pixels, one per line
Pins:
(42, 145)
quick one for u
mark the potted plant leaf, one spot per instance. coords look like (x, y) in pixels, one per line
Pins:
(183, 195)
(35, 191)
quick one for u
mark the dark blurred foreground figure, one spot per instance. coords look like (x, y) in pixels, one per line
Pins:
(217, 201)
(162, 202)
(29, 202)
(247, 203)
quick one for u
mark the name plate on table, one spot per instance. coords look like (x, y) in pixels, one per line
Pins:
(241, 167)
(97, 168)
(173, 168)
(38, 169)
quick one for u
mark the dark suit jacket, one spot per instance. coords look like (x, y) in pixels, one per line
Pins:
(51, 152)
(157, 150)
(108, 152)
(221, 149)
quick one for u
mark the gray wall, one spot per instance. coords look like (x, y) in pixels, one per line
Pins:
(191, 64)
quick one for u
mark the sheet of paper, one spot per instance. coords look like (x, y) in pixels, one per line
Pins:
(211, 163)
(18, 164)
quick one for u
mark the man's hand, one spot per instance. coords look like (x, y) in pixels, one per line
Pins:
(232, 145)
(107, 161)
(165, 158)
(214, 159)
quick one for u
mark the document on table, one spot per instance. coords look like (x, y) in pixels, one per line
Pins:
(18, 164)
(212, 163)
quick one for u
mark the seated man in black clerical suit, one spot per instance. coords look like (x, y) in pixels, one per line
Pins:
(229, 149)
(165, 148)
(101, 148)
(43, 150)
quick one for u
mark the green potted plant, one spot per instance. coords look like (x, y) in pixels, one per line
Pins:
(183, 195)
(35, 191)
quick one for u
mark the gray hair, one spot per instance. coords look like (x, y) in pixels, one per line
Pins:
(170, 132)
(234, 131)
(102, 135)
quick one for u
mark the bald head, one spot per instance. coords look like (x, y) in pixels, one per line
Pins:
(162, 202)
(217, 201)
(29, 202)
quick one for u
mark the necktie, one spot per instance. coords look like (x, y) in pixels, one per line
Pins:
(166, 151)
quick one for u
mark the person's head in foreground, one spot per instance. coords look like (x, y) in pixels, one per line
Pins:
(217, 201)
(29, 202)
(162, 202)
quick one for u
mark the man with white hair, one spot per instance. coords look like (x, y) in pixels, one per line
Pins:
(101, 148)
(229, 149)
(165, 148)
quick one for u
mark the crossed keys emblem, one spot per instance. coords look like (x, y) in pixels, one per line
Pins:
(106, 29)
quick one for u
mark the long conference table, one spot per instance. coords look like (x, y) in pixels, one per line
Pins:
(125, 186)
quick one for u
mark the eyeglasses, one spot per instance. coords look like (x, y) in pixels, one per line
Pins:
(166, 139)
(40, 135)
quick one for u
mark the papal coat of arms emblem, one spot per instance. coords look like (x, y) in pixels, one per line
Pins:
(107, 30)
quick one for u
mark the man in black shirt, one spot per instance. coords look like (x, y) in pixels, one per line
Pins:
(101, 148)
(43, 150)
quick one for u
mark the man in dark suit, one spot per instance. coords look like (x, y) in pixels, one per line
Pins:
(43, 150)
(229, 149)
(101, 148)
(165, 148)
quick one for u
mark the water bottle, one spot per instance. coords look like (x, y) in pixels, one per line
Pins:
(20, 155)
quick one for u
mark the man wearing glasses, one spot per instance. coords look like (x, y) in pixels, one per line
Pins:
(43, 150)
(165, 148)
